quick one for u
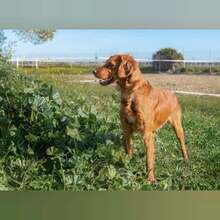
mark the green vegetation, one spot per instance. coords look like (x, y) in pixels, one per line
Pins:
(56, 134)
(65, 69)
(200, 69)
(87, 69)
(35, 36)
(167, 54)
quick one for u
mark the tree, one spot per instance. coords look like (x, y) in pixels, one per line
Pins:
(2, 40)
(36, 36)
(167, 54)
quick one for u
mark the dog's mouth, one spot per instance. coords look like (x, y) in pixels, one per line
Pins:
(106, 81)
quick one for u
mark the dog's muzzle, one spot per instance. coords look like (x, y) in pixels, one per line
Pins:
(106, 81)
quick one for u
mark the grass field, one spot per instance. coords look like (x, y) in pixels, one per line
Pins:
(75, 69)
(101, 164)
(201, 119)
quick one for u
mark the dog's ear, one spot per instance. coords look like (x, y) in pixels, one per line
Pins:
(121, 71)
(126, 66)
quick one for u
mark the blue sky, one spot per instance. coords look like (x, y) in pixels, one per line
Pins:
(195, 44)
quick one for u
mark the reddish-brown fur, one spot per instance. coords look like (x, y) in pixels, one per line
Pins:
(144, 108)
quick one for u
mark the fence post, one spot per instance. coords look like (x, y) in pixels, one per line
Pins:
(96, 60)
(17, 63)
(159, 62)
(36, 64)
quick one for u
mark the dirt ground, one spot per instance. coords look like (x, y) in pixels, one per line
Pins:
(190, 83)
(184, 82)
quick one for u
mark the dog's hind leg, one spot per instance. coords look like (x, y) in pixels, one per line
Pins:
(176, 123)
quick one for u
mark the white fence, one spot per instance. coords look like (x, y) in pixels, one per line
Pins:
(36, 62)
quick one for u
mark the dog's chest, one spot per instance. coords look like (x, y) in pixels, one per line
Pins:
(129, 110)
(131, 119)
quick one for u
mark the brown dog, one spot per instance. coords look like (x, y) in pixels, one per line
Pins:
(144, 108)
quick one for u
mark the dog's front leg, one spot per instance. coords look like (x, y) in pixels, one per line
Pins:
(149, 145)
(127, 136)
(128, 140)
(140, 120)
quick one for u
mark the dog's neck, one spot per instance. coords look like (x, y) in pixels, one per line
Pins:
(129, 85)
(132, 82)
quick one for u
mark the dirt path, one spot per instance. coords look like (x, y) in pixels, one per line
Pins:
(176, 91)
(189, 83)
(183, 82)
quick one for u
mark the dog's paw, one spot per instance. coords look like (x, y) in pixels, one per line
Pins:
(151, 180)
(140, 126)
(130, 153)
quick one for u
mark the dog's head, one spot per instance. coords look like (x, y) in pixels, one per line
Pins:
(117, 67)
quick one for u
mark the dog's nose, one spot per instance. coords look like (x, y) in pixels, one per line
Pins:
(94, 72)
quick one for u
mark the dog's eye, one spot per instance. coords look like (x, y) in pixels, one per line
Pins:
(109, 65)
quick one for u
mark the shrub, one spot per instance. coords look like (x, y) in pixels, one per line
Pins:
(146, 68)
(166, 54)
(34, 116)
(38, 127)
